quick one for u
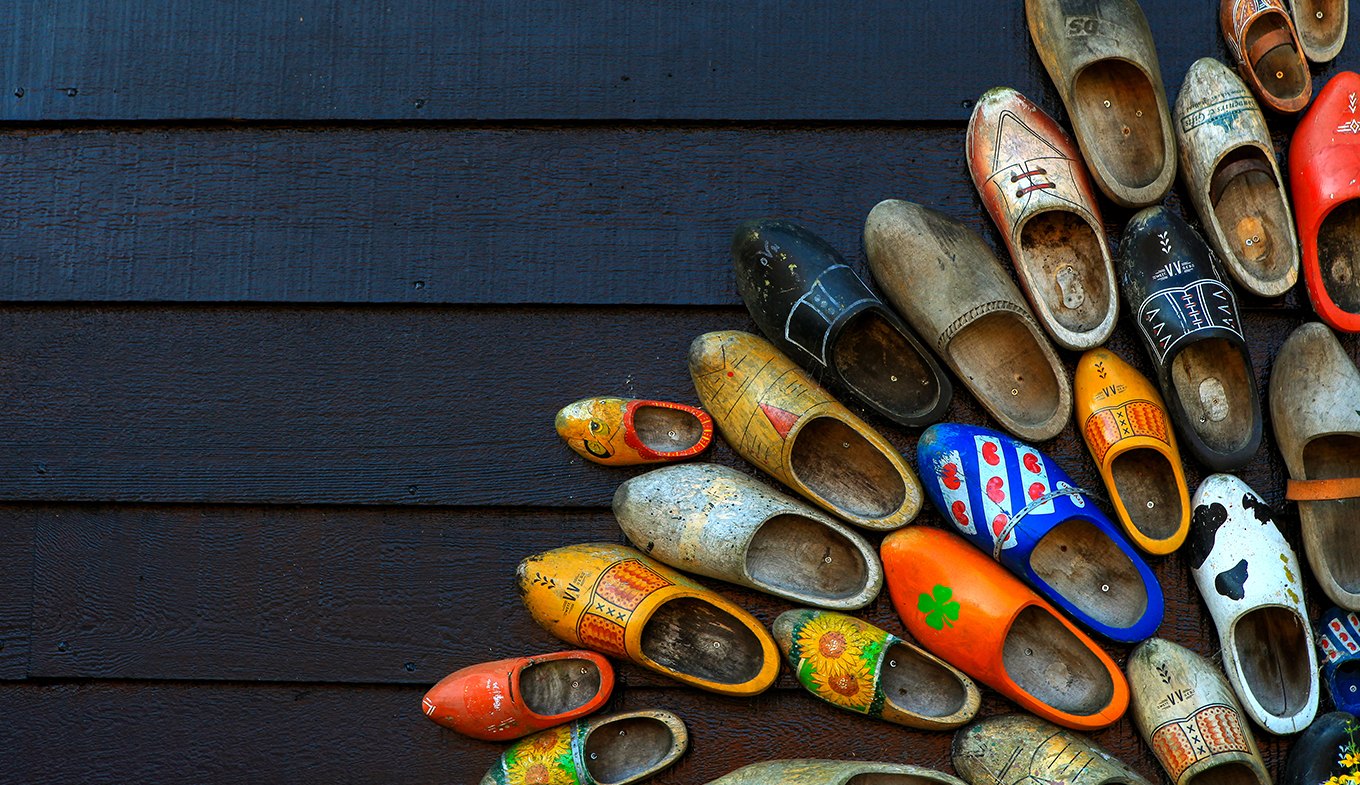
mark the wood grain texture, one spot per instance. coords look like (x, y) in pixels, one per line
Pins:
(16, 593)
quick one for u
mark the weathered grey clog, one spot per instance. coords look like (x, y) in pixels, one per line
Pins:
(1321, 25)
(944, 280)
(834, 772)
(1021, 749)
(1228, 165)
(612, 749)
(1315, 411)
(715, 521)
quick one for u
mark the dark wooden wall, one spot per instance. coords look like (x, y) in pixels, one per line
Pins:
(291, 291)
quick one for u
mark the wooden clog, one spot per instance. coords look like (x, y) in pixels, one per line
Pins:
(1324, 179)
(1338, 635)
(714, 521)
(1102, 60)
(1252, 583)
(834, 772)
(972, 613)
(775, 416)
(944, 280)
(1018, 749)
(815, 310)
(1228, 166)
(1261, 36)
(861, 668)
(1022, 509)
(507, 699)
(1187, 714)
(1124, 423)
(1187, 317)
(1315, 411)
(615, 600)
(1030, 176)
(614, 749)
(1321, 25)
(627, 432)
(1326, 753)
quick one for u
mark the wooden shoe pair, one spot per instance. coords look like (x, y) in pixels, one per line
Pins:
(611, 750)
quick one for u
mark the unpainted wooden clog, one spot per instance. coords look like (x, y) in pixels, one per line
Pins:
(1022, 509)
(615, 600)
(1019, 749)
(1328, 753)
(1124, 423)
(1321, 25)
(1315, 411)
(1188, 715)
(834, 772)
(1324, 179)
(507, 699)
(1252, 583)
(861, 668)
(626, 432)
(1262, 38)
(1228, 166)
(815, 310)
(775, 416)
(1030, 176)
(1187, 317)
(714, 521)
(1101, 58)
(972, 613)
(944, 280)
(1338, 634)
(614, 749)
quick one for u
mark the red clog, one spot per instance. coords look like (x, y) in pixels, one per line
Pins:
(507, 699)
(1324, 178)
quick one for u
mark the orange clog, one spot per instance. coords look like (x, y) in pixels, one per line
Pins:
(975, 615)
(615, 600)
(1124, 422)
(507, 699)
(627, 432)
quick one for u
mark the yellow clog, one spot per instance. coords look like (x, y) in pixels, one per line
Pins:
(1124, 422)
(615, 600)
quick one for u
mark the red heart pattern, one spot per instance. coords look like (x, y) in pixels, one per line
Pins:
(995, 490)
(999, 523)
(950, 476)
(960, 511)
(989, 453)
(1032, 462)
(1036, 490)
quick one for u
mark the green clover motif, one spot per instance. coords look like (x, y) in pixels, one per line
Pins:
(938, 609)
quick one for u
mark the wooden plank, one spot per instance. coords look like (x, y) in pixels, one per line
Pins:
(175, 732)
(585, 59)
(16, 591)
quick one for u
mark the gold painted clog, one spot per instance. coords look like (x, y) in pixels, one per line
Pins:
(834, 772)
(1020, 749)
(1124, 422)
(627, 432)
(617, 601)
(775, 416)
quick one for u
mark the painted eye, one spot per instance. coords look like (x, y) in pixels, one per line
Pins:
(594, 426)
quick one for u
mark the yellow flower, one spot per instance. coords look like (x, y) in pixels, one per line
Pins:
(832, 643)
(1350, 759)
(852, 688)
(544, 759)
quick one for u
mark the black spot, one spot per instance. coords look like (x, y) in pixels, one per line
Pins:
(1229, 582)
(1258, 507)
(1203, 529)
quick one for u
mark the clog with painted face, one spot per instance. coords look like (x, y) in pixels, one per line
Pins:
(627, 432)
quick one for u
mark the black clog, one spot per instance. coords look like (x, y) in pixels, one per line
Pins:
(1187, 317)
(1328, 751)
(814, 308)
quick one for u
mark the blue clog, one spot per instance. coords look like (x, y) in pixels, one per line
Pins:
(1015, 503)
(1338, 635)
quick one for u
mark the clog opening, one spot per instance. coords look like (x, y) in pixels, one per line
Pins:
(1146, 484)
(1322, 22)
(1233, 773)
(916, 684)
(837, 463)
(1045, 659)
(664, 430)
(1333, 522)
(882, 367)
(1252, 215)
(626, 749)
(1001, 359)
(1281, 70)
(1066, 269)
(884, 778)
(1119, 117)
(690, 636)
(1081, 563)
(1215, 389)
(1339, 255)
(559, 686)
(1272, 653)
(797, 555)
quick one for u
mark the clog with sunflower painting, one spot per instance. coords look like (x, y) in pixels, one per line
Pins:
(1328, 753)
(627, 432)
(614, 749)
(867, 670)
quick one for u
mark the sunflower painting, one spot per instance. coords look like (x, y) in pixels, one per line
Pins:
(1348, 759)
(838, 658)
(542, 759)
